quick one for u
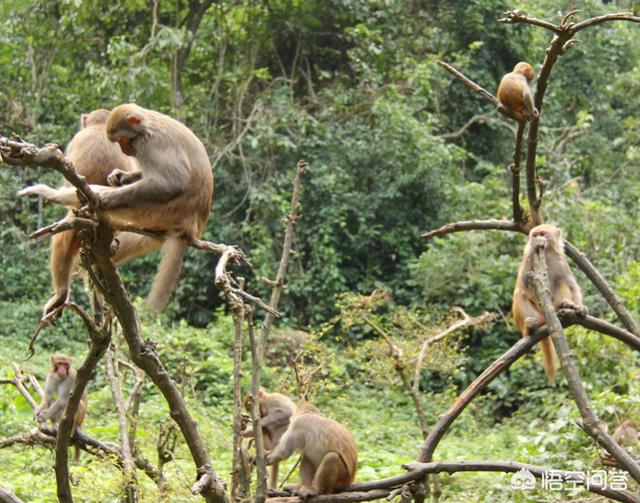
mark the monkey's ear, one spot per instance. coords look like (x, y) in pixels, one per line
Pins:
(134, 120)
(83, 120)
(261, 393)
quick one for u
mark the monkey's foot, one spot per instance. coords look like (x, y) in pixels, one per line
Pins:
(578, 308)
(292, 488)
(306, 492)
(54, 304)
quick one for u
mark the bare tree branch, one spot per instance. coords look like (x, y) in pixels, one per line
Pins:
(592, 426)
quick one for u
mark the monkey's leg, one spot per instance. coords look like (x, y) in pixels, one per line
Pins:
(526, 314)
(64, 256)
(132, 245)
(273, 481)
(307, 470)
(327, 477)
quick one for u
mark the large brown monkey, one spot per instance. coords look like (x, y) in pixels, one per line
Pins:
(171, 193)
(514, 92)
(276, 411)
(565, 292)
(329, 455)
(93, 157)
(60, 381)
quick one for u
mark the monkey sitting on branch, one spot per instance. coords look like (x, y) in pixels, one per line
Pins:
(514, 92)
(60, 381)
(329, 455)
(564, 289)
(276, 411)
(170, 191)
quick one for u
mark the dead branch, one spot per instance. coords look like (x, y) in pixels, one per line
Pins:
(143, 354)
(581, 260)
(476, 88)
(518, 16)
(18, 381)
(239, 487)
(457, 134)
(344, 497)
(99, 337)
(113, 377)
(8, 497)
(518, 212)
(466, 322)
(592, 426)
(477, 225)
(258, 345)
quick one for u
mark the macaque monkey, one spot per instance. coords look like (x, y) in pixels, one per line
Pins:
(626, 434)
(276, 411)
(171, 191)
(329, 455)
(93, 157)
(514, 92)
(60, 381)
(565, 292)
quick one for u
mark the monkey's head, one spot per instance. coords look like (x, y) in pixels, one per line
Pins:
(525, 69)
(60, 364)
(125, 124)
(95, 118)
(551, 234)
(248, 402)
(306, 408)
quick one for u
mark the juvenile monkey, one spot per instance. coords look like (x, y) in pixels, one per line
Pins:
(276, 411)
(171, 193)
(93, 157)
(60, 381)
(514, 92)
(329, 455)
(626, 434)
(565, 292)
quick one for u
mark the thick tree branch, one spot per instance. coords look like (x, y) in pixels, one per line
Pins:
(592, 426)
(581, 260)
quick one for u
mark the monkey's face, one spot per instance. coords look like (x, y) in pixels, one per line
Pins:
(125, 132)
(61, 369)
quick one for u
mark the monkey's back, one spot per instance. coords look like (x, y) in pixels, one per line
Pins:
(178, 141)
(94, 156)
(510, 93)
(324, 435)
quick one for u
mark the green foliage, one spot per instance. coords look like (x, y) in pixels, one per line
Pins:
(352, 87)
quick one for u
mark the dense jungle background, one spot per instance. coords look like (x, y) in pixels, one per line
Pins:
(396, 147)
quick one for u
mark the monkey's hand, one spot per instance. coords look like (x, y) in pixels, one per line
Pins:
(539, 242)
(118, 178)
(247, 432)
(41, 415)
(37, 411)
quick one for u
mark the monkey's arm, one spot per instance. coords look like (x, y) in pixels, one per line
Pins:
(148, 190)
(291, 441)
(275, 418)
(152, 188)
(527, 99)
(49, 389)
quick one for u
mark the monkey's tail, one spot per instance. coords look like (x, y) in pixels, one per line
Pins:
(168, 274)
(548, 357)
